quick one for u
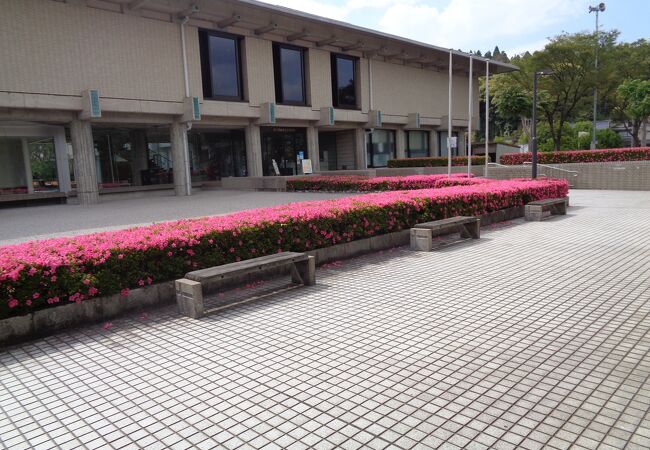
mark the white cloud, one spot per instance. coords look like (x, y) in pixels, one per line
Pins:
(530, 47)
(464, 24)
(472, 24)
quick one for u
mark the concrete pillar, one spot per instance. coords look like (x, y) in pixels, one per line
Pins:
(29, 180)
(462, 144)
(178, 136)
(400, 143)
(140, 155)
(360, 149)
(313, 151)
(85, 173)
(254, 150)
(434, 149)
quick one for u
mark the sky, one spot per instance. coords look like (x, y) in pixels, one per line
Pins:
(514, 25)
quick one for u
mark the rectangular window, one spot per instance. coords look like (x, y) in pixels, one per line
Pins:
(381, 147)
(344, 81)
(220, 66)
(442, 143)
(289, 69)
(417, 144)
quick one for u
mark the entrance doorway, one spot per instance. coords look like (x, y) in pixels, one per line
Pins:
(217, 154)
(336, 149)
(285, 146)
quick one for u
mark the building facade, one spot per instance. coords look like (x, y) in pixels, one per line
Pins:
(101, 95)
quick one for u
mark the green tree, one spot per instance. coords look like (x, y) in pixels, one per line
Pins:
(634, 106)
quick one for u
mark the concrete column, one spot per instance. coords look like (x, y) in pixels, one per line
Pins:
(85, 173)
(313, 152)
(254, 150)
(140, 155)
(400, 143)
(360, 149)
(434, 149)
(178, 136)
(29, 180)
(462, 145)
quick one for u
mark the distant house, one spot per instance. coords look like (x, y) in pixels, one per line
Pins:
(495, 150)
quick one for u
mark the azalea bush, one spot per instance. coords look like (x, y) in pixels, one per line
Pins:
(41, 274)
(435, 161)
(364, 184)
(580, 156)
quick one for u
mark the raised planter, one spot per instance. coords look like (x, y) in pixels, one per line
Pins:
(48, 321)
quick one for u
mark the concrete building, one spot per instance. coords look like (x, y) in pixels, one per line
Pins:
(123, 95)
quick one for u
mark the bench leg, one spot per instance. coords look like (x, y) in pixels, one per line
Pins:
(471, 230)
(421, 240)
(533, 213)
(189, 297)
(304, 272)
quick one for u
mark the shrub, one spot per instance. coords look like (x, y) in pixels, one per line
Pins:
(580, 156)
(362, 184)
(435, 161)
(41, 274)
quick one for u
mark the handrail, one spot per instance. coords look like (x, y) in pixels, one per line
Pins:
(574, 172)
(497, 164)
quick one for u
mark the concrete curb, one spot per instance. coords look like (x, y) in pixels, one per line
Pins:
(48, 321)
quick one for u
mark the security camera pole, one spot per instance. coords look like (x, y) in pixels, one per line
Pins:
(596, 9)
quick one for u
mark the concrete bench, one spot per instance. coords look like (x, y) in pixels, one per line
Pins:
(422, 233)
(190, 290)
(539, 209)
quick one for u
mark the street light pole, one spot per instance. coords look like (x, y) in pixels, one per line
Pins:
(533, 125)
(596, 9)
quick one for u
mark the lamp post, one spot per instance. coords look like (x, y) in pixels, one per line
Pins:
(533, 125)
(596, 9)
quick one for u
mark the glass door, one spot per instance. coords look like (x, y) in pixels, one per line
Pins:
(285, 146)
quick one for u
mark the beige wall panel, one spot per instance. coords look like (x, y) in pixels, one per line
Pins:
(400, 90)
(258, 54)
(363, 84)
(60, 48)
(320, 78)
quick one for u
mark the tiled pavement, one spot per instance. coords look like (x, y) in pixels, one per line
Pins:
(535, 336)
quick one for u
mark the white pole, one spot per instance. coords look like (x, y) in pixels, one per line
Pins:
(449, 120)
(470, 112)
(487, 115)
(186, 82)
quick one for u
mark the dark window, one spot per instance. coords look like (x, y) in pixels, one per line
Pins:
(417, 144)
(381, 147)
(344, 86)
(442, 143)
(289, 68)
(220, 66)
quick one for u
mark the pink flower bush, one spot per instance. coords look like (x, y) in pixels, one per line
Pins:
(580, 156)
(435, 161)
(363, 184)
(115, 261)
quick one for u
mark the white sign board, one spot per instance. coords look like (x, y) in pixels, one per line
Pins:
(452, 142)
(275, 167)
(306, 166)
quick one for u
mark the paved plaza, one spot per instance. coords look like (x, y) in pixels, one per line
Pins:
(40, 222)
(535, 336)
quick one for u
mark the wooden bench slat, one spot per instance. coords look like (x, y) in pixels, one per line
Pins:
(547, 201)
(442, 223)
(245, 266)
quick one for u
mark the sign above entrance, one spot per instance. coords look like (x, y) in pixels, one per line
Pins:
(326, 117)
(267, 113)
(91, 108)
(374, 118)
(413, 120)
(191, 109)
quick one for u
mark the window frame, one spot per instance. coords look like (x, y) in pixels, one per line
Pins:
(408, 146)
(369, 145)
(277, 74)
(206, 69)
(335, 87)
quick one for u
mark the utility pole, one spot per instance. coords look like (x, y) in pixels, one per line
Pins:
(596, 9)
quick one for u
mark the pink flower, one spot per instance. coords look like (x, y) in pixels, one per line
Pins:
(124, 292)
(120, 256)
(169, 253)
(92, 291)
(36, 295)
(107, 326)
(12, 303)
(149, 280)
(140, 282)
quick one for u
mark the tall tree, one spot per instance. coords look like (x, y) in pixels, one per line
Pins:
(634, 107)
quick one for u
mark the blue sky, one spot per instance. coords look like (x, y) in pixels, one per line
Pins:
(514, 25)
